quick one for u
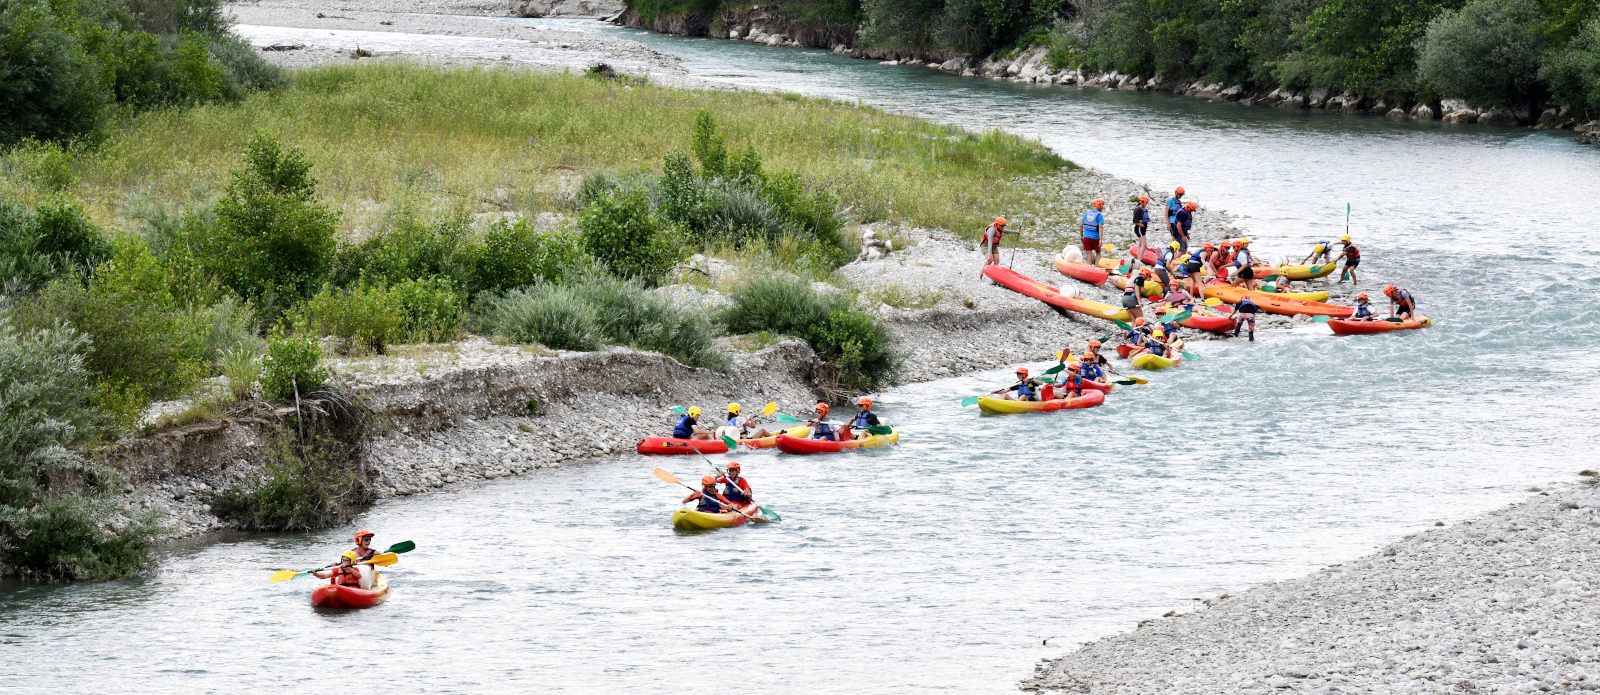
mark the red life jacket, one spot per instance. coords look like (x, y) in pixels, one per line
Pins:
(346, 576)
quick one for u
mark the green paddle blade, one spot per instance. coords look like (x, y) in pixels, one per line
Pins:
(1126, 382)
(1123, 269)
(879, 429)
(1124, 325)
(1187, 356)
(969, 400)
(1175, 318)
(1109, 337)
(402, 547)
(679, 410)
(769, 514)
(1393, 319)
(1320, 319)
(1055, 369)
(729, 441)
(780, 417)
(1317, 268)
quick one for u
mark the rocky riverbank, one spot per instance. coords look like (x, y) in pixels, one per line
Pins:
(1504, 603)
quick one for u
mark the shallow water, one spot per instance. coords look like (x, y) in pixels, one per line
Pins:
(944, 563)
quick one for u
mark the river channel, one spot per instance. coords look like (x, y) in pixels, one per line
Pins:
(955, 561)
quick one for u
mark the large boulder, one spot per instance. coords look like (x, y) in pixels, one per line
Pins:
(1233, 93)
(1458, 111)
(1317, 97)
(1423, 112)
(1498, 115)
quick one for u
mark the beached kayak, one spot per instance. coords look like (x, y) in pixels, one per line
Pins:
(1082, 271)
(1344, 327)
(1024, 285)
(335, 596)
(1296, 272)
(1151, 289)
(1318, 296)
(693, 520)
(1089, 399)
(1285, 304)
(1153, 361)
(800, 445)
(1202, 320)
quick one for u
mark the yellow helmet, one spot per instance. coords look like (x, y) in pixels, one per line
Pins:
(1173, 245)
(733, 408)
(1345, 238)
(1246, 242)
(694, 411)
(1319, 249)
(350, 554)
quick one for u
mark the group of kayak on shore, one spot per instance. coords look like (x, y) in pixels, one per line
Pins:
(688, 426)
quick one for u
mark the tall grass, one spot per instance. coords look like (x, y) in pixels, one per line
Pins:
(506, 139)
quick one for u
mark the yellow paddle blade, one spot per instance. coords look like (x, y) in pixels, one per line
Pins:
(667, 477)
(282, 575)
(1060, 353)
(770, 409)
(1213, 301)
(384, 559)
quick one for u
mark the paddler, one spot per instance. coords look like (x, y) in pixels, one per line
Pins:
(711, 501)
(1093, 221)
(1363, 309)
(1141, 224)
(864, 418)
(1352, 258)
(1134, 336)
(741, 428)
(1321, 253)
(735, 489)
(1025, 388)
(822, 427)
(1245, 313)
(1093, 364)
(991, 243)
(1222, 260)
(350, 571)
(1174, 204)
(688, 426)
(1071, 385)
(1401, 304)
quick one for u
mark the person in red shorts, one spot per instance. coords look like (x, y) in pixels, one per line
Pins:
(1094, 220)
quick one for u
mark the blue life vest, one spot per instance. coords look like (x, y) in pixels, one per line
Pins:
(1140, 215)
(1363, 311)
(1024, 390)
(734, 493)
(823, 430)
(684, 429)
(1092, 219)
(1172, 209)
(1242, 258)
(1089, 371)
(861, 420)
(708, 503)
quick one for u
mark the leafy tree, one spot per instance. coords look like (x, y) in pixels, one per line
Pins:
(1486, 52)
(1573, 71)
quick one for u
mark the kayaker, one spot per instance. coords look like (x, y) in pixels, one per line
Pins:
(1363, 309)
(1246, 273)
(1401, 303)
(1352, 258)
(742, 427)
(1093, 365)
(350, 571)
(864, 418)
(991, 243)
(1193, 264)
(1160, 276)
(1071, 385)
(1093, 221)
(1131, 296)
(688, 427)
(1174, 204)
(1246, 314)
(1135, 333)
(735, 489)
(345, 574)
(1141, 224)
(1025, 388)
(1181, 222)
(1323, 250)
(822, 427)
(711, 501)
(1178, 296)
(1222, 260)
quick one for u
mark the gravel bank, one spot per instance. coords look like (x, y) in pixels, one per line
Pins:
(1504, 603)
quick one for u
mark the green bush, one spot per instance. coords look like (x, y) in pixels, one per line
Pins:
(855, 342)
(1486, 52)
(409, 248)
(293, 364)
(625, 236)
(431, 310)
(302, 488)
(273, 240)
(49, 89)
(365, 318)
(232, 326)
(549, 314)
(52, 499)
(514, 254)
(55, 238)
(1573, 71)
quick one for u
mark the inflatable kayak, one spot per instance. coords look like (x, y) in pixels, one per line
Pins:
(1342, 327)
(1285, 304)
(1151, 289)
(335, 596)
(1296, 272)
(1089, 399)
(800, 445)
(693, 520)
(772, 441)
(671, 445)
(1153, 361)
(1096, 385)
(1024, 285)
(1082, 271)
(1318, 296)
(1202, 321)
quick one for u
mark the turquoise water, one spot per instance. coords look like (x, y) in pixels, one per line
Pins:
(946, 563)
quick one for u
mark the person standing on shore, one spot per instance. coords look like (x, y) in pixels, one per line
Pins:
(1246, 314)
(1174, 204)
(1352, 258)
(1131, 294)
(1141, 224)
(991, 243)
(1181, 222)
(1244, 272)
(1093, 220)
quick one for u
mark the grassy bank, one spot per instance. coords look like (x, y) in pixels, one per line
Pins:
(490, 140)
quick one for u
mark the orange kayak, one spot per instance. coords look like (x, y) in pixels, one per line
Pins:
(1278, 304)
(1343, 327)
(1024, 285)
(1082, 271)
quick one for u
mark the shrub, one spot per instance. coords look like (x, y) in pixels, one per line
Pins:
(408, 248)
(514, 254)
(365, 318)
(241, 366)
(64, 231)
(232, 326)
(709, 146)
(854, 342)
(46, 164)
(302, 488)
(55, 238)
(628, 314)
(1486, 52)
(1573, 71)
(625, 236)
(293, 364)
(430, 310)
(550, 314)
(49, 89)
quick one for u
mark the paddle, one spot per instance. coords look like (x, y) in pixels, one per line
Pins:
(1176, 318)
(1124, 325)
(970, 400)
(1320, 319)
(731, 446)
(780, 417)
(1133, 379)
(1127, 382)
(678, 409)
(1058, 367)
(662, 474)
(388, 558)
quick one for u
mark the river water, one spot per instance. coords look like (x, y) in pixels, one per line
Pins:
(948, 562)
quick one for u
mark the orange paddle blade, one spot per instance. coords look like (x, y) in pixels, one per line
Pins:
(667, 477)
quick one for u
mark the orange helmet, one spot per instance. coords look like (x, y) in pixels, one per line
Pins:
(1099, 203)
(733, 465)
(1144, 199)
(1209, 247)
(1389, 291)
(363, 533)
(708, 480)
(1363, 295)
(1139, 321)
(1022, 371)
(999, 221)
(864, 402)
(1189, 206)
(1179, 191)
(1073, 367)
(822, 408)
(1093, 344)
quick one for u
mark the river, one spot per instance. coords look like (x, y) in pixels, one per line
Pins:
(956, 560)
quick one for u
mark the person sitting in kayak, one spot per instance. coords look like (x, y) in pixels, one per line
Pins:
(711, 501)
(864, 418)
(350, 571)
(822, 427)
(688, 426)
(1245, 313)
(1352, 258)
(741, 428)
(1095, 365)
(991, 243)
(1071, 385)
(735, 489)
(1363, 309)
(1025, 388)
(1401, 304)
(1321, 253)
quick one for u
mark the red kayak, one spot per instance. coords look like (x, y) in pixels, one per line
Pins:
(335, 596)
(1349, 327)
(1082, 271)
(801, 445)
(670, 445)
(1204, 322)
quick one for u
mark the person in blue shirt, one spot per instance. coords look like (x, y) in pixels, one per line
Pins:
(711, 501)
(1093, 221)
(864, 418)
(1026, 388)
(1182, 220)
(1141, 223)
(1174, 204)
(687, 427)
(1364, 309)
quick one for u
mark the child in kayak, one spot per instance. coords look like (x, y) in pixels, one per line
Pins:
(740, 429)
(350, 571)
(864, 418)
(1025, 388)
(1071, 385)
(735, 489)
(711, 501)
(822, 427)
(688, 427)
(1363, 309)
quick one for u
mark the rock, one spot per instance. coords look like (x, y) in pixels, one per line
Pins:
(1548, 119)
(1457, 111)
(1396, 114)
(1232, 93)
(1423, 112)
(532, 8)
(1381, 108)
(1293, 101)
(1498, 115)
(1317, 97)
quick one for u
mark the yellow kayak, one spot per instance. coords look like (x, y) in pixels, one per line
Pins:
(1151, 289)
(1153, 361)
(693, 520)
(1302, 272)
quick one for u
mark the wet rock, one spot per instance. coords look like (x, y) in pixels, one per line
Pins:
(1396, 114)
(1457, 111)
(1498, 115)
(1423, 112)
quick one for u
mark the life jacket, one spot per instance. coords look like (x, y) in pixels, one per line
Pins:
(1073, 387)
(1092, 219)
(1141, 216)
(1024, 389)
(1363, 311)
(346, 576)
(1242, 258)
(824, 430)
(733, 492)
(708, 501)
(1172, 209)
(1351, 252)
(860, 421)
(1248, 307)
(1089, 370)
(993, 235)
(739, 427)
(684, 428)
(1403, 297)
(1167, 256)
(363, 555)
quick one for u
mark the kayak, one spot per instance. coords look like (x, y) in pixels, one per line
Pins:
(1344, 327)
(671, 445)
(772, 441)
(694, 520)
(1024, 285)
(1285, 304)
(1296, 272)
(335, 596)
(1151, 256)
(1089, 399)
(1082, 271)
(1151, 289)
(801, 445)
(1202, 321)
(1096, 385)
(1153, 361)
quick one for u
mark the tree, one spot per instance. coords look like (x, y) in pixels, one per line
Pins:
(1486, 52)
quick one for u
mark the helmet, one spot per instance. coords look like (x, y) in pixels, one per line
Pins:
(1173, 245)
(1209, 246)
(351, 554)
(363, 533)
(1244, 242)
(1363, 295)
(1139, 321)
(864, 402)
(1094, 344)
(1144, 199)
(1189, 206)
(1179, 191)
(1099, 203)
(1345, 238)
(1159, 333)
(822, 407)
(708, 480)
(1319, 249)
(733, 408)
(1022, 370)
(694, 411)
(1073, 367)
(733, 465)
(999, 221)
(1389, 290)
